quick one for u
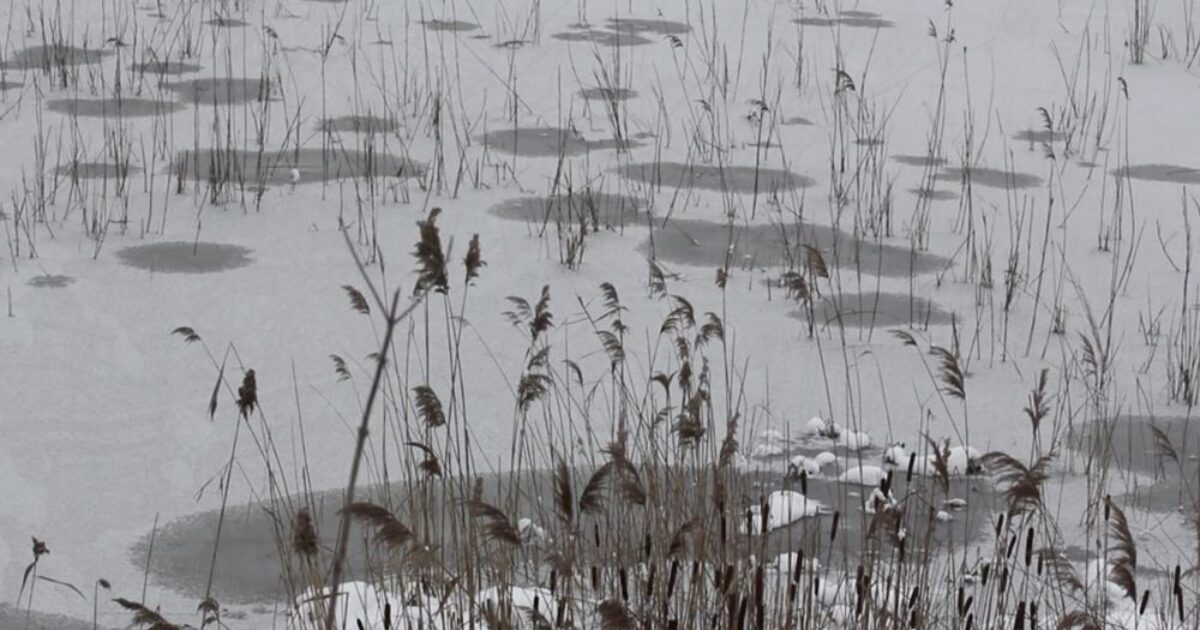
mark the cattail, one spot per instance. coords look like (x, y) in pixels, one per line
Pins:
(473, 261)
(189, 335)
(358, 301)
(725, 580)
(304, 539)
(860, 591)
(389, 530)
(431, 260)
(615, 616)
(429, 406)
(496, 524)
(339, 367)
(759, 595)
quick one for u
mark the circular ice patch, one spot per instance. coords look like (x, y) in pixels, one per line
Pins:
(185, 257)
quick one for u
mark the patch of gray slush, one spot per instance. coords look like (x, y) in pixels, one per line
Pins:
(919, 160)
(450, 26)
(657, 27)
(934, 194)
(607, 94)
(546, 142)
(1039, 135)
(596, 209)
(112, 107)
(185, 257)
(358, 124)
(96, 170)
(1166, 449)
(852, 19)
(875, 310)
(53, 56)
(707, 244)
(168, 68)
(221, 22)
(611, 39)
(249, 567)
(275, 167)
(221, 91)
(741, 179)
(1168, 173)
(50, 281)
(992, 178)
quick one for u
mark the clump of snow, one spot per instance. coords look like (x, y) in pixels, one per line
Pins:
(806, 465)
(824, 458)
(880, 501)
(854, 440)
(784, 507)
(863, 475)
(531, 532)
(895, 455)
(955, 503)
(770, 443)
(814, 427)
(962, 460)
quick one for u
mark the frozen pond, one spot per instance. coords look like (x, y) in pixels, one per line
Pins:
(613, 311)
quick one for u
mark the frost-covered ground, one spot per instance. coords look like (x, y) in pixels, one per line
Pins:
(143, 198)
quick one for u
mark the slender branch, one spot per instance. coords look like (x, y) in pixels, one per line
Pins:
(339, 555)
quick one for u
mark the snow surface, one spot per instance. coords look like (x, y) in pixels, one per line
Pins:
(104, 429)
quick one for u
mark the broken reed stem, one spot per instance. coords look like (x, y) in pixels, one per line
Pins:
(393, 319)
(339, 555)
